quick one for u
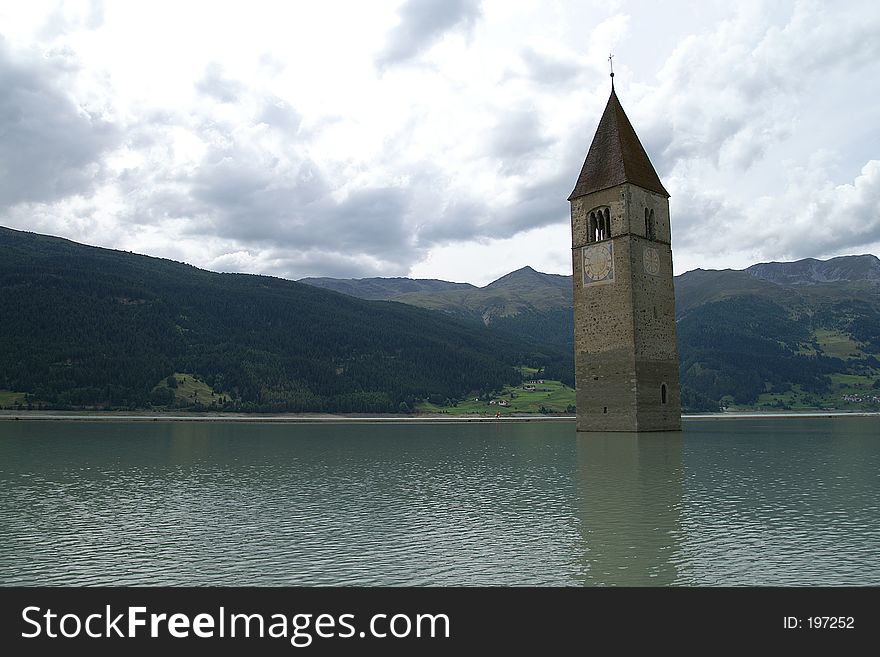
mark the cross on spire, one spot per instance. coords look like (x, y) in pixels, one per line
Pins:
(611, 64)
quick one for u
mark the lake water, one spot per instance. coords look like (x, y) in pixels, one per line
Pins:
(725, 502)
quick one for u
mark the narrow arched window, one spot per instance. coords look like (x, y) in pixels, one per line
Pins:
(647, 225)
(599, 225)
(651, 226)
(662, 393)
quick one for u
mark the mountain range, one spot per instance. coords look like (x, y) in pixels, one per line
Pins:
(798, 334)
(88, 327)
(524, 302)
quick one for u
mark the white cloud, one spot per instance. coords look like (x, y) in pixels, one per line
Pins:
(736, 100)
(280, 139)
(810, 217)
(50, 146)
(217, 85)
(422, 23)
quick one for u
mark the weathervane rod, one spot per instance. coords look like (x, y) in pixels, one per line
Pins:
(611, 64)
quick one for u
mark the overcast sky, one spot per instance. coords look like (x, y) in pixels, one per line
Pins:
(433, 138)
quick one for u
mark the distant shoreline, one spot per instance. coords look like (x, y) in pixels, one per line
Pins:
(279, 418)
(328, 418)
(747, 415)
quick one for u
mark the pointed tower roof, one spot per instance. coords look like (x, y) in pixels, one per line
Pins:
(616, 156)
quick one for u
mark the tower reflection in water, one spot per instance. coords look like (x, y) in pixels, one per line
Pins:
(630, 488)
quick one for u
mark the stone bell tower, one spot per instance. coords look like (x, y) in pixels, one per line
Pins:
(626, 357)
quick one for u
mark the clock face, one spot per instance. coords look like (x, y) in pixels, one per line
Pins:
(598, 263)
(651, 260)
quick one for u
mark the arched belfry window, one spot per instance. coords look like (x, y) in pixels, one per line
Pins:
(649, 224)
(599, 225)
(662, 393)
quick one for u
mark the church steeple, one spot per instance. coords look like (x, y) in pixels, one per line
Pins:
(616, 156)
(625, 347)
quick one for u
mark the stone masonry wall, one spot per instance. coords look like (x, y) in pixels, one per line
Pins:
(625, 344)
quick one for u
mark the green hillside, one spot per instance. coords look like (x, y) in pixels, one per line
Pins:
(96, 328)
(518, 291)
(89, 327)
(777, 335)
(384, 289)
(535, 395)
(525, 302)
(782, 343)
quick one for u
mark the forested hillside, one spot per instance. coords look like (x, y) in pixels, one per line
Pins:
(524, 302)
(802, 334)
(88, 327)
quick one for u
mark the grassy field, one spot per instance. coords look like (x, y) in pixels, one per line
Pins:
(553, 396)
(837, 345)
(842, 385)
(795, 400)
(191, 391)
(8, 398)
(857, 386)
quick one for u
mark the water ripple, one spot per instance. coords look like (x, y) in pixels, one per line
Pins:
(789, 502)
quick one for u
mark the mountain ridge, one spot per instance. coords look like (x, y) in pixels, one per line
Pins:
(810, 271)
(98, 327)
(821, 271)
(522, 290)
(778, 333)
(95, 327)
(382, 289)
